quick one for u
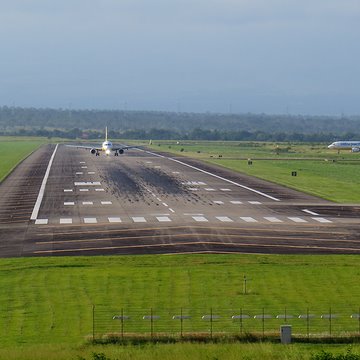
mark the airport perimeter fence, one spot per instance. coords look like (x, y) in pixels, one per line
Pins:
(246, 323)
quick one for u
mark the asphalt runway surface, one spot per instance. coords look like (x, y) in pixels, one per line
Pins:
(66, 201)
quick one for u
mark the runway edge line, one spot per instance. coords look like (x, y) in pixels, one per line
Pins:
(42, 188)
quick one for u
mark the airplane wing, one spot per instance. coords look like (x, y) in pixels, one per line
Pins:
(123, 147)
(85, 147)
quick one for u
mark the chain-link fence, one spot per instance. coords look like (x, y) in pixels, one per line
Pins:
(180, 322)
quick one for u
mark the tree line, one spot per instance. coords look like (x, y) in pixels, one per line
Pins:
(196, 134)
(72, 123)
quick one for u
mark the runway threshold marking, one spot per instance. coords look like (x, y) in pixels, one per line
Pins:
(214, 175)
(36, 209)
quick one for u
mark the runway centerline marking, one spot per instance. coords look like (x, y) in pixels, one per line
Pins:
(36, 209)
(200, 218)
(214, 175)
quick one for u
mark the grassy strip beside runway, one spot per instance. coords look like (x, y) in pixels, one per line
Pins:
(320, 171)
(13, 150)
(49, 300)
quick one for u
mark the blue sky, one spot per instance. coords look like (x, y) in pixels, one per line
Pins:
(272, 56)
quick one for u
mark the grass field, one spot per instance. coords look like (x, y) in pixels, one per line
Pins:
(320, 171)
(13, 150)
(49, 300)
(46, 304)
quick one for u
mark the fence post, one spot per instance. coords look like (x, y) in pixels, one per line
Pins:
(122, 323)
(307, 324)
(181, 322)
(151, 323)
(241, 324)
(93, 323)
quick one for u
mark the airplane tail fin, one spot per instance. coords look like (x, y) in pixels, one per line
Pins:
(106, 137)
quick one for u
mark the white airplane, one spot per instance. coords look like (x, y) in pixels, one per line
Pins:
(107, 146)
(354, 146)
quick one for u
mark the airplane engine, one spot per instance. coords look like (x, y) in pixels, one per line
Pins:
(121, 151)
(355, 149)
(93, 151)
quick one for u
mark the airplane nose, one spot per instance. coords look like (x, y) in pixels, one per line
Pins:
(330, 146)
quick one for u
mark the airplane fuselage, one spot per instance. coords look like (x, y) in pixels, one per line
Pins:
(107, 147)
(354, 146)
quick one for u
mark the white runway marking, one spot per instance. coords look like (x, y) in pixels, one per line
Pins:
(209, 189)
(272, 219)
(106, 203)
(83, 189)
(236, 202)
(88, 203)
(68, 190)
(82, 162)
(189, 214)
(79, 173)
(87, 183)
(170, 209)
(99, 189)
(248, 219)
(114, 219)
(66, 221)
(157, 167)
(163, 218)
(224, 219)
(297, 219)
(225, 189)
(84, 167)
(138, 219)
(36, 209)
(193, 183)
(254, 202)
(69, 203)
(310, 212)
(90, 220)
(91, 172)
(214, 175)
(322, 220)
(41, 221)
(176, 172)
(193, 189)
(165, 204)
(218, 202)
(200, 219)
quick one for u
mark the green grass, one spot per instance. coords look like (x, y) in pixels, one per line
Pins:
(320, 171)
(49, 300)
(13, 150)
(185, 351)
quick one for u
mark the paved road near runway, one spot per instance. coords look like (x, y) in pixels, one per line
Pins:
(66, 201)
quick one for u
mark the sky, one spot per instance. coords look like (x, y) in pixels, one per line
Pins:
(226, 56)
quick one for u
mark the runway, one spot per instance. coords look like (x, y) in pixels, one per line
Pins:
(66, 201)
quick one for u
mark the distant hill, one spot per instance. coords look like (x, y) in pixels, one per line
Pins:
(138, 124)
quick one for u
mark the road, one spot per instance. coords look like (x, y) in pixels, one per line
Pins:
(146, 202)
